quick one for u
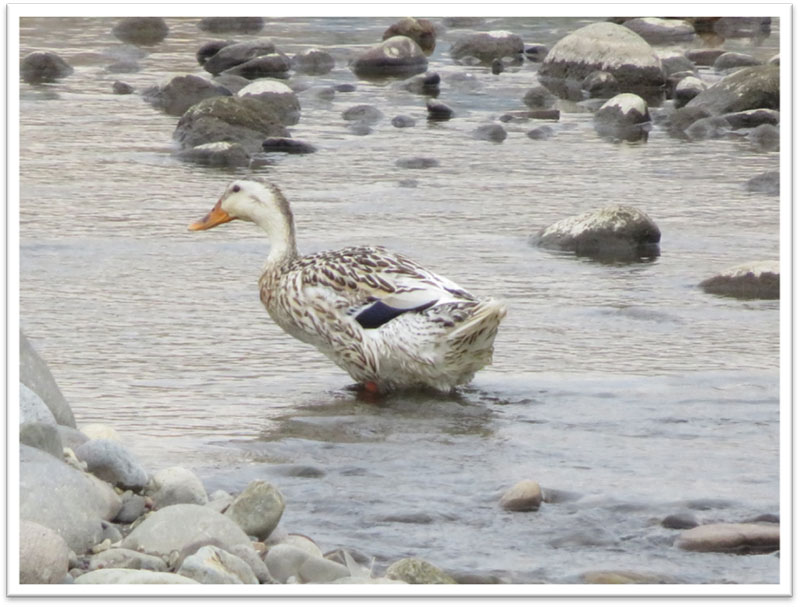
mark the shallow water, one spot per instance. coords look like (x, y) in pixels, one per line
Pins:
(623, 388)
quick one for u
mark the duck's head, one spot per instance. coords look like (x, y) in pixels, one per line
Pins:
(250, 199)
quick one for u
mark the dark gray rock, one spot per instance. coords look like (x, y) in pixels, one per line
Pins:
(416, 162)
(235, 54)
(209, 49)
(43, 554)
(425, 84)
(488, 46)
(420, 31)
(661, 31)
(41, 436)
(606, 47)
(539, 98)
(767, 137)
(123, 67)
(490, 132)
(216, 154)
(438, 111)
(541, 132)
(121, 88)
(613, 233)
(43, 66)
(402, 121)
(113, 463)
(757, 280)
(683, 520)
(704, 56)
(181, 93)
(243, 120)
(714, 127)
(313, 61)
(536, 52)
(359, 128)
(258, 509)
(287, 145)
(675, 62)
(732, 60)
(601, 85)
(624, 116)
(345, 87)
(752, 118)
(687, 89)
(498, 67)
(396, 56)
(368, 114)
(746, 89)
(274, 65)
(68, 501)
(141, 31)
(35, 374)
(275, 98)
(238, 25)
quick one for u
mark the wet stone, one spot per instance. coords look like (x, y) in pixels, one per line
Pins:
(755, 280)
(368, 114)
(525, 496)
(141, 31)
(287, 145)
(313, 61)
(121, 88)
(258, 509)
(731, 60)
(235, 54)
(209, 49)
(417, 162)
(395, 56)
(539, 98)
(490, 132)
(217, 154)
(238, 25)
(41, 66)
(439, 111)
(683, 520)
(541, 132)
(765, 183)
(417, 571)
(738, 538)
(402, 121)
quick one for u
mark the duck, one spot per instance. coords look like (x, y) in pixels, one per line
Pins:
(386, 320)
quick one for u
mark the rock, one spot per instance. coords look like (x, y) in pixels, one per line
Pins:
(43, 554)
(258, 509)
(238, 25)
(209, 49)
(756, 280)
(35, 374)
(752, 118)
(100, 431)
(121, 88)
(43, 66)
(42, 436)
(141, 31)
(416, 162)
(396, 56)
(746, 89)
(285, 561)
(661, 31)
(345, 87)
(112, 462)
(178, 527)
(249, 555)
(541, 132)
(133, 506)
(359, 128)
(304, 543)
(217, 154)
(231, 82)
(687, 89)
(488, 46)
(212, 565)
(439, 111)
(490, 132)
(774, 60)
(674, 62)
(600, 85)
(242, 120)
(70, 437)
(122, 558)
(274, 65)
(313, 61)
(420, 31)
(497, 67)
(426, 84)
(276, 98)
(606, 47)
(539, 98)
(683, 520)
(742, 27)
(176, 485)
(624, 116)
(704, 56)
(402, 121)
(287, 145)
(366, 580)
(181, 93)
(219, 500)
(766, 136)
(739, 538)
(766, 183)
(235, 54)
(68, 501)
(713, 127)
(417, 571)
(525, 496)
(731, 60)
(132, 576)
(536, 52)
(616, 232)
(123, 67)
(367, 114)
(624, 577)
(32, 408)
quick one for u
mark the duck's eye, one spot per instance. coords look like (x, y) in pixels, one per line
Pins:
(235, 188)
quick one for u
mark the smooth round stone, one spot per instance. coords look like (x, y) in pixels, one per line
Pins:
(132, 576)
(212, 565)
(683, 520)
(112, 462)
(209, 49)
(121, 88)
(749, 88)
(258, 509)
(176, 485)
(752, 118)
(122, 558)
(181, 93)
(687, 89)
(183, 525)
(439, 111)
(395, 56)
(765, 183)
(41, 436)
(420, 31)
(43, 554)
(417, 571)
(235, 54)
(739, 538)
(133, 506)
(755, 280)
(539, 98)
(43, 66)
(313, 61)
(525, 496)
(766, 136)
(490, 132)
(36, 375)
(274, 65)
(732, 60)
(402, 121)
(32, 409)
(368, 114)
(623, 116)
(285, 561)
(416, 162)
(541, 133)
(141, 31)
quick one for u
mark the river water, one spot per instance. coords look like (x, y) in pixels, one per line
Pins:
(624, 390)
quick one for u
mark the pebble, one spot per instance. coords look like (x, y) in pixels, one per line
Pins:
(417, 571)
(525, 496)
(176, 485)
(258, 509)
(739, 538)
(112, 462)
(43, 554)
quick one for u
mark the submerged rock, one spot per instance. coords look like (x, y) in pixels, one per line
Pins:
(239, 25)
(274, 65)
(121, 88)
(181, 93)
(217, 154)
(420, 31)
(488, 46)
(732, 60)
(613, 233)
(141, 31)
(367, 114)
(43, 66)
(766, 183)
(313, 61)
(276, 98)
(416, 162)
(396, 56)
(439, 111)
(287, 145)
(490, 132)
(624, 116)
(209, 49)
(756, 280)
(739, 538)
(539, 98)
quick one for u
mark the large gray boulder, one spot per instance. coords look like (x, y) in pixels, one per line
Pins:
(613, 233)
(606, 47)
(755, 280)
(276, 98)
(746, 89)
(43, 66)
(242, 120)
(624, 116)
(68, 501)
(396, 56)
(181, 93)
(181, 526)
(32, 408)
(43, 554)
(488, 46)
(113, 462)
(34, 373)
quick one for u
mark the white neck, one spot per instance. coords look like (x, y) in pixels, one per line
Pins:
(280, 231)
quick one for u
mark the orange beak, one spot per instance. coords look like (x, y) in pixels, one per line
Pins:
(215, 217)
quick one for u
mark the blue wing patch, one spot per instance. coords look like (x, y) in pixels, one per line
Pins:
(380, 313)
